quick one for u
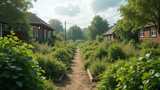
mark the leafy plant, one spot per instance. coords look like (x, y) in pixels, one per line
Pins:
(115, 52)
(97, 67)
(108, 78)
(18, 68)
(52, 67)
(142, 73)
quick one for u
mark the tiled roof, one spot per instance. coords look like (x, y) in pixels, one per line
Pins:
(33, 19)
(110, 31)
(3, 20)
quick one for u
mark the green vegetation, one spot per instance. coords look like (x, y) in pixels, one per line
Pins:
(16, 11)
(75, 33)
(18, 67)
(117, 64)
(57, 25)
(52, 67)
(98, 27)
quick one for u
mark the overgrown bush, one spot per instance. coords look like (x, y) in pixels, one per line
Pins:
(43, 48)
(86, 64)
(150, 44)
(18, 69)
(136, 74)
(52, 67)
(115, 52)
(142, 74)
(49, 41)
(130, 51)
(99, 38)
(97, 67)
(108, 78)
(100, 52)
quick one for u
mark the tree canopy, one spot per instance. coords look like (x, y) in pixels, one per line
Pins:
(57, 25)
(125, 33)
(15, 11)
(98, 27)
(75, 33)
(141, 12)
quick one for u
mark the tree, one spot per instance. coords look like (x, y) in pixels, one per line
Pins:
(57, 25)
(141, 12)
(15, 11)
(75, 33)
(125, 33)
(85, 31)
(98, 27)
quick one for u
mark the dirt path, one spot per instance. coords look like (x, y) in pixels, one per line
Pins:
(77, 78)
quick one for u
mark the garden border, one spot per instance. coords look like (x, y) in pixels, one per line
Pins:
(91, 77)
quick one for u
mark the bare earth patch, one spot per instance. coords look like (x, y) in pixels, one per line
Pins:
(77, 78)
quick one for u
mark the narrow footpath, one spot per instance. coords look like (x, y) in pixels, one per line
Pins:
(77, 78)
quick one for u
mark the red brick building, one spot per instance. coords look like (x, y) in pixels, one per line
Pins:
(148, 33)
(40, 29)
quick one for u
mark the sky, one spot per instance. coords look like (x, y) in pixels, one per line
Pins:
(77, 12)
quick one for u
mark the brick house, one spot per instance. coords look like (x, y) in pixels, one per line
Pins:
(148, 33)
(40, 29)
(110, 34)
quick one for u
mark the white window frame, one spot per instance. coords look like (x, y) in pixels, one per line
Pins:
(45, 32)
(0, 30)
(49, 34)
(153, 32)
(34, 32)
(141, 33)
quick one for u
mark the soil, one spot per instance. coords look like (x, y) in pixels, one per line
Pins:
(77, 78)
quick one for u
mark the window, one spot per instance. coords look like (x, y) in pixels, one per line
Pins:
(45, 34)
(35, 32)
(0, 30)
(141, 33)
(49, 34)
(153, 32)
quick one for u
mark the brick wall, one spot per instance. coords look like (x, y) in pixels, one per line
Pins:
(147, 35)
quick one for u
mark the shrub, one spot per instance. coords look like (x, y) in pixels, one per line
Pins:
(43, 48)
(86, 64)
(99, 38)
(130, 51)
(49, 41)
(97, 67)
(108, 78)
(142, 74)
(18, 69)
(150, 44)
(115, 52)
(100, 52)
(151, 51)
(51, 66)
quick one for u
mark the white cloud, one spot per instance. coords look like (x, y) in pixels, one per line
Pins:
(97, 6)
(69, 9)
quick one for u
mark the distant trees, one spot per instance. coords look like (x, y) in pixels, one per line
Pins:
(15, 11)
(57, 25)
(98, 27)
(75, 33)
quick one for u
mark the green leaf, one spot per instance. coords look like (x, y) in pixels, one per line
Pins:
(14, 77)
(20, 84)
(6, 74)
(18, 68)
(13, 67)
